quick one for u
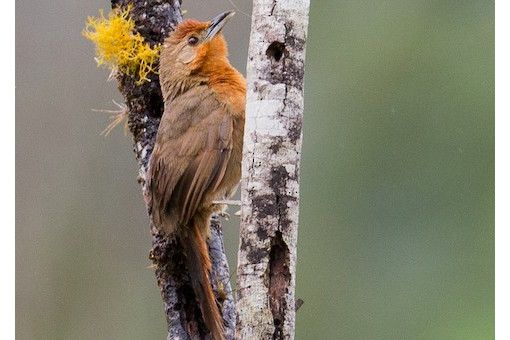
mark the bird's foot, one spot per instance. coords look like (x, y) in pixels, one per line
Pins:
(228, 202)
(221, 210)
(221, 206)
(224, 214)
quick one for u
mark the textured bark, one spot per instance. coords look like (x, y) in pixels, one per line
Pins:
(154, 20)
(270, 183)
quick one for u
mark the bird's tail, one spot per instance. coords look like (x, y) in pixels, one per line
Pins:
(199, 266)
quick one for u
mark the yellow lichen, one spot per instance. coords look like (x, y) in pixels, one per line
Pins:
(119, 47)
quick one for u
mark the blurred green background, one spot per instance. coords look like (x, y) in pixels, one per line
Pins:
(396, 239)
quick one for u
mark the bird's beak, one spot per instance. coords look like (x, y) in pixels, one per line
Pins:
(217, 24)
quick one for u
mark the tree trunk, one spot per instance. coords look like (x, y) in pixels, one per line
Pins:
(154, 20)
(266, 268)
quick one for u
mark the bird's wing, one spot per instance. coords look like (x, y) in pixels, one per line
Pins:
(192, 164)
(207, 163)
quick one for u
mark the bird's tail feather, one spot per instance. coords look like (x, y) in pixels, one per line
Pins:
(199, 266)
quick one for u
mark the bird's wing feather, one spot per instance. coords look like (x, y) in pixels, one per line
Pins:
(207, 167)
(186, 168)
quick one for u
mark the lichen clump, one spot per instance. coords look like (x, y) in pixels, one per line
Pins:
(119, 47)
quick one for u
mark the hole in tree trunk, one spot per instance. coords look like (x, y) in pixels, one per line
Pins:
(275, 50)
(279, 280)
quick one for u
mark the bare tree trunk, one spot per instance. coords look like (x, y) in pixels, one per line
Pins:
(154, 20)
(266, 268)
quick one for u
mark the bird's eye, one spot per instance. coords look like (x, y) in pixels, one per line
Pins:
(192, 40)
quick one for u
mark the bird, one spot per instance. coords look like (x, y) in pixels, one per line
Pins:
(196, 159)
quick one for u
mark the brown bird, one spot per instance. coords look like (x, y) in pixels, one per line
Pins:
(197, 156)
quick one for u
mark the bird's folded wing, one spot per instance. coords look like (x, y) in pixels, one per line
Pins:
(207, 167)
(186, 169)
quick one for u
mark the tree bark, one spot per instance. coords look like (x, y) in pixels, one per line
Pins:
(266, 269)
(154, 20)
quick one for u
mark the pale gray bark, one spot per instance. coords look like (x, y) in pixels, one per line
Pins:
(266, 269)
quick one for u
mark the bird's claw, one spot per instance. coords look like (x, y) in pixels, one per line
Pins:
(224, 214)
(228, 202)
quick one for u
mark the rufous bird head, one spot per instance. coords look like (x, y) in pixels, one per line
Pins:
(193, 49)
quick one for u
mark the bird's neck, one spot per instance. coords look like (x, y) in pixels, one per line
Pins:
(229, 85)
(216, 73)
(176, 83)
